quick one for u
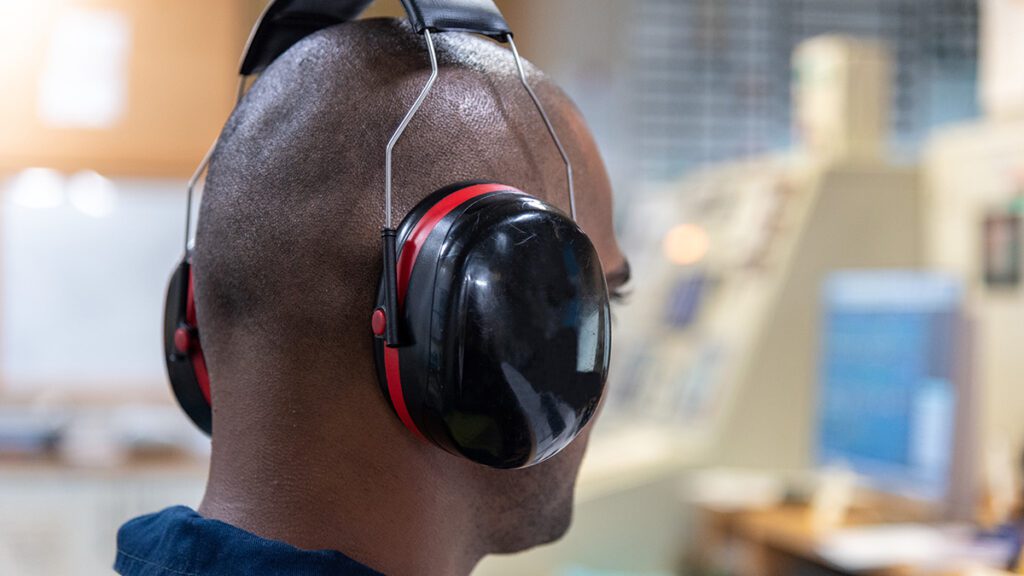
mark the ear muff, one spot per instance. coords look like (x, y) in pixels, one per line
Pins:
(183, 353)
(504, 324)
(499, 343)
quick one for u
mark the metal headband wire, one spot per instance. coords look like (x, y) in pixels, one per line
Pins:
(203, 164)
(402, 126)
(389, 152)
(547, 123)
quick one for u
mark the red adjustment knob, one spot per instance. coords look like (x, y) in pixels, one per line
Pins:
(379, 322)
(182, 340)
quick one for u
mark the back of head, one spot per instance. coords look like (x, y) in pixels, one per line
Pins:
(287, 264)
(289, 230)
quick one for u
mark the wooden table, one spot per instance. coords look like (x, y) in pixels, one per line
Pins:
(778, 541)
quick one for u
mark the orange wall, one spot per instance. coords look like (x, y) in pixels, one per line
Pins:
(180, 86)
(181, 82)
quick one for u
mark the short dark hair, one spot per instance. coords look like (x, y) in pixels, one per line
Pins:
(288, 235)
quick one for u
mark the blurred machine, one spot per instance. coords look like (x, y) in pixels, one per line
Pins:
(841, 92)
(973, 182)
(722, 339)
(894, 397)
(893, 447)
(938, 403)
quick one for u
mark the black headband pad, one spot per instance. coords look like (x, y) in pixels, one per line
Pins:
(478, 16)
(285, 22)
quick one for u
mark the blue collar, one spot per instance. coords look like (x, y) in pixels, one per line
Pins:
(180, 542)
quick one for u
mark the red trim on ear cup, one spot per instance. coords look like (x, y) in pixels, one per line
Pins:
(196, 349)
(393, 374)
(418, 237)
(406, 260)
(202, 376)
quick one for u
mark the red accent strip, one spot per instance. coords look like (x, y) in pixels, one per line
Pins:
(202, 376)
(392, 372)
(418, 237)
(190, 302)
(198, 361)
(406, 260)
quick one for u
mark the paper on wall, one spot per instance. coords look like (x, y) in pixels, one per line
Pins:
(84, 83)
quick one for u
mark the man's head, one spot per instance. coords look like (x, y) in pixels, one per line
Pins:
(287, 265)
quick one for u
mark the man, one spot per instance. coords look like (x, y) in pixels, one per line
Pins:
(307, 455)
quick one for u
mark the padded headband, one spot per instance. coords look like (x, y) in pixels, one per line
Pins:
(285, 22)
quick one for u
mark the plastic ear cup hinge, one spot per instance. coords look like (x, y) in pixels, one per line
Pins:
(390, 307)
(379, 322)
(184, 338)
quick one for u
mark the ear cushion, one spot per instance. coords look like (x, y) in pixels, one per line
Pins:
(504, 323)
(183, 354)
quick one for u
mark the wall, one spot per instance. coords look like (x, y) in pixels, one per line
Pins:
(124, 87)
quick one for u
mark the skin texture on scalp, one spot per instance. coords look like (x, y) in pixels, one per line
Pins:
(287, 263)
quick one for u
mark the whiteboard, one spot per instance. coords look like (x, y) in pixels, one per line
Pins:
(84, 263)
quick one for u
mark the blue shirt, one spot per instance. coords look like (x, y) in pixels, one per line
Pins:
(180, 542)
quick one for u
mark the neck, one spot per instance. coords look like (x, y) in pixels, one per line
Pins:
(387, 510)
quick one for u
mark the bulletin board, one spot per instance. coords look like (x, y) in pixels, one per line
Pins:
(123, 87)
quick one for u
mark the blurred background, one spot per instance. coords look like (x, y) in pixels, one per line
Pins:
(817, 371)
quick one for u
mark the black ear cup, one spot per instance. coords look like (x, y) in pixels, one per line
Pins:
(500, 336)
(186, 366)
(505, 326)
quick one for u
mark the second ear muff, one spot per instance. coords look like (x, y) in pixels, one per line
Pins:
(183, 353)
(504, 325)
